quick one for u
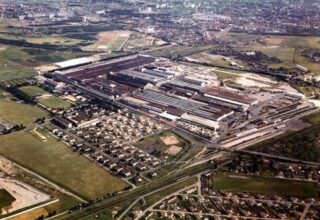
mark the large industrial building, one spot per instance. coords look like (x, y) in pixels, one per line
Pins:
(136, 82)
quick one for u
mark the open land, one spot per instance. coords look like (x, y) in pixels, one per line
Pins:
(264, 185)
(52, 159)
(19, 113)
(109, 41)
(18, 62)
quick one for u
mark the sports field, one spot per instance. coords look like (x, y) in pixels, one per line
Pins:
(164, 142)
(271, 186)
(32, 91)
(54, 102)
(55, 161)
(109, 41)
(19, 113)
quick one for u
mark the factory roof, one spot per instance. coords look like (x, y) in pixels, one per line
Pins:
(169, 116)
(201, 121)
(140, 75)
(228, 95)
(75, 62)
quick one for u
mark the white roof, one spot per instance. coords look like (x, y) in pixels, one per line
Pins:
(169, 116)
(74, 62)
(201, 121)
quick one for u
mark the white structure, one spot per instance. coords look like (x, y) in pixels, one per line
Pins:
(201, 121)
(302, 68)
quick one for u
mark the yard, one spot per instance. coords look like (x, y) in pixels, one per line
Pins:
(19, 113)
(55, 161)
(271, 186)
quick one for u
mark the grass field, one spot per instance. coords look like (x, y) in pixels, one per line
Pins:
(12, 66)
(55, 161)
(19, 62)
(54, 102)
(5, 199)
(18, 113)
(32, 91)
(263, 185)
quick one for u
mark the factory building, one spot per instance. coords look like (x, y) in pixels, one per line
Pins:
(200, 121)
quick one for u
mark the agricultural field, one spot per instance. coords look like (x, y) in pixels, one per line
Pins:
(55, 161)
(272, 186)
(56, 40)
(18, 113)
(12, 65)
(53, 102)
(288, 49)
(5, 199)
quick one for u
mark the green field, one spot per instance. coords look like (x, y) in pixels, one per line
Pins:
(54, 102)
(13, 66)
(55, 161)
(271, 186)
(5, 199)
(32, 91)
(18, 113)
(19, 62)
